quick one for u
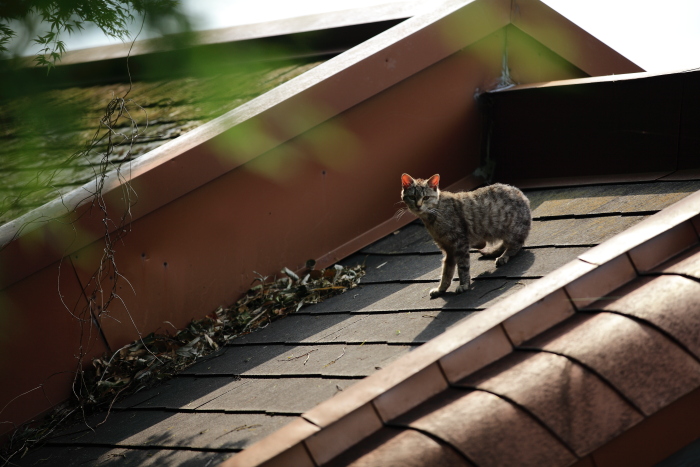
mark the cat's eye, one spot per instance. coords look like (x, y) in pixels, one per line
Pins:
(427, 197)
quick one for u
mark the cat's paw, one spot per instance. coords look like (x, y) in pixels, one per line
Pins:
(462, 288)
(502, 260)
(436, 292)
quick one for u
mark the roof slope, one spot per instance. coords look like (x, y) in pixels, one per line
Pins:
(36, 168)
(167, 93)
(265, 380)
(415, 82)
(582, 371)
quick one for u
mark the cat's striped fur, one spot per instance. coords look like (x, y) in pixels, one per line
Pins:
(494, 219)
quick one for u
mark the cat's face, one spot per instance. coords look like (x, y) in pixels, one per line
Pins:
(421, 196)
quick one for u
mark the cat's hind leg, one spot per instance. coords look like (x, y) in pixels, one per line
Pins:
(493, 250)
(448, 271)
(510, 249)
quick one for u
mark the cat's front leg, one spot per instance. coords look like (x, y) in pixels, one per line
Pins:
(448, 271)
(463, 272)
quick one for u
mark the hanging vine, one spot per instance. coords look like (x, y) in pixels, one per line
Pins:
(117, 128)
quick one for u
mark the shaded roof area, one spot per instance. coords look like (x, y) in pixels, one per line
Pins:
(37, 167)
(264, 381)
(637, 126)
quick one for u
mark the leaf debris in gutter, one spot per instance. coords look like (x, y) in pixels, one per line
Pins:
(158, 357)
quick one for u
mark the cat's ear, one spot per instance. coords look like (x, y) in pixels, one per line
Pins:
(434, 181)
(407, 181)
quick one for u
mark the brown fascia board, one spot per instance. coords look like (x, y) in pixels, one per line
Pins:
(484, 338)
(568, 40)
(247, 32)
(176, 168)
(297, 39)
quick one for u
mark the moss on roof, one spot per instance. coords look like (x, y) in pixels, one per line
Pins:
(42, 133)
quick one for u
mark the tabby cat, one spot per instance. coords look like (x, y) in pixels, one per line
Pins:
(497, 215)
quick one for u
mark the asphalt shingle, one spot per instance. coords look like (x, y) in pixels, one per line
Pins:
(279, 395)
(415, 296)
(161, 110)
(407, 327)
(487, 429)
(120, 457)
(602, 199)
(310, 360)
(181, 393)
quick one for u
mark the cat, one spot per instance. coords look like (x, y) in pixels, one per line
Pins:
(498, 215)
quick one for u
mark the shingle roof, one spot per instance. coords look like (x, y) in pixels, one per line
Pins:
(525, 402)
(606, 371)
(401, 95)
(36, 168)
(325, 349)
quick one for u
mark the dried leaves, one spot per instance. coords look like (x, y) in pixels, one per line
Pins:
(160, 356)
(157, 357)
